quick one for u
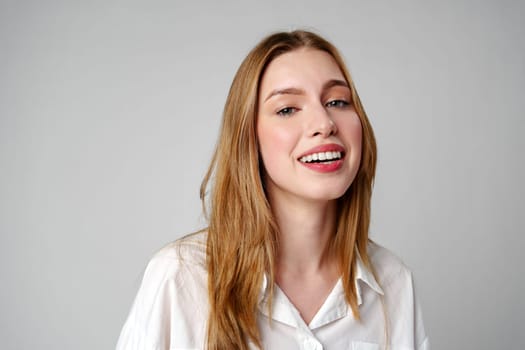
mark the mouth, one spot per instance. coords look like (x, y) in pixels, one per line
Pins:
(322, 157)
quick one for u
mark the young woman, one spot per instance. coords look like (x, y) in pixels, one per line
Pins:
(285, 262)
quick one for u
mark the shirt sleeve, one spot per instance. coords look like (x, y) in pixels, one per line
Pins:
(421, 335)
(165, 314)
(425, 345)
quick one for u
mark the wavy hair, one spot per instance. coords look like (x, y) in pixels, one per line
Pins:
(242, 232)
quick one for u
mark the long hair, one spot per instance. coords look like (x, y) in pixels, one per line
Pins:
(242, 232)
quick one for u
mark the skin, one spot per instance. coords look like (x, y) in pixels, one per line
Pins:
(304, 102)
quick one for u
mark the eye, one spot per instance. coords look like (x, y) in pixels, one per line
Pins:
(286, 111)
(337, 103)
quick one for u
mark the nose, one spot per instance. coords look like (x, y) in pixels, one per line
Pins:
(321, 123)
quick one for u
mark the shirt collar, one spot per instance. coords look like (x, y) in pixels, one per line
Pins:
(365, 275)
(362, 274)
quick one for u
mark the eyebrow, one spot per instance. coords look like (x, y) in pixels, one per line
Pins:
(295, 91)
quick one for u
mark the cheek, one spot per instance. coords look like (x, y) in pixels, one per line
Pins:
(351, 133)
(354, 132)
(275, 142)
(357, 135)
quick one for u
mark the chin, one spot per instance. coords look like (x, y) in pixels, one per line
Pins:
(328, 194)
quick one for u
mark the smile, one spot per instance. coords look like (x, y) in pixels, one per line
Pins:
(321, 157)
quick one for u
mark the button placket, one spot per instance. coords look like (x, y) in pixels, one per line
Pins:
(310, 343)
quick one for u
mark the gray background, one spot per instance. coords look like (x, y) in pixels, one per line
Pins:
(109, 112)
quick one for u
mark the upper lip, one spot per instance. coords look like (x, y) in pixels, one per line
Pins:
(331, 147)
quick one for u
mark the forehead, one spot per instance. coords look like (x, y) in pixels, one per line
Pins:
(303, 68)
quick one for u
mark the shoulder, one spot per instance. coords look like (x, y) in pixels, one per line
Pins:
(401, 302)
(180, 263)
(388, 266)
(190, 249)
(175, 260)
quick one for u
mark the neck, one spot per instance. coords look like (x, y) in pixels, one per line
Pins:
(305, 230)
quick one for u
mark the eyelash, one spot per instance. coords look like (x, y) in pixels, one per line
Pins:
(337, 103)
(288, 111)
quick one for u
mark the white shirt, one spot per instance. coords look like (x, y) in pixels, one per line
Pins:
(171, 308)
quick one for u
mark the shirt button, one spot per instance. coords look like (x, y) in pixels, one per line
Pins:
(311, 344)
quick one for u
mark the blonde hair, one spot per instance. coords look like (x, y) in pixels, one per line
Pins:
(242, 233)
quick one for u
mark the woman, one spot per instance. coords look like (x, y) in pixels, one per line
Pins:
(285, 262)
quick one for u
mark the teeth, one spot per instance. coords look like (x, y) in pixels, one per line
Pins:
(321, 156)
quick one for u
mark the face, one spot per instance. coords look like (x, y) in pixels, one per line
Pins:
(308, 130)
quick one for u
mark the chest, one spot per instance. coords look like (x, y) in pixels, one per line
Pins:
(331, 327)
